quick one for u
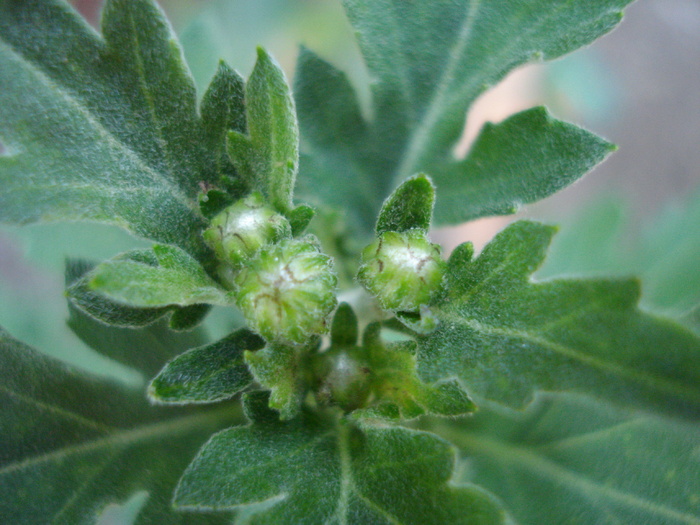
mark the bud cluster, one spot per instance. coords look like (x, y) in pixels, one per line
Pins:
(284, 287)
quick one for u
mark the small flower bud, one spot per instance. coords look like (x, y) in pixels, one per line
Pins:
(346, 377)
(239, 231)
(288, 291)
(402, 270)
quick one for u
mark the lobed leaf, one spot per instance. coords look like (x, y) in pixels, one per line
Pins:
(325, 470)
(398, 391)
(570, 459)
(106, 129)
(283, 368)
(73, 444)
(521, 160)
(428, 63)
(506, 337)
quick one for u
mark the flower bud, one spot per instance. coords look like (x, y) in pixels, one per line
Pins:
(239, 231)
(402, 270)
(288, 291)
(346, 377)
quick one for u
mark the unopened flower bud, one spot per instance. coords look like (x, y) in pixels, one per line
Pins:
(243, 228)
(287, 291)
(402, 270)
(346, 377)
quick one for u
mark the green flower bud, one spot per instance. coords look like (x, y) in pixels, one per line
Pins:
(288, 291)
(402, 270)
(239, 231)
(346, 377)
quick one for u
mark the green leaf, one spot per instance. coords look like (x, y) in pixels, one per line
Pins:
(523, 159)
(334, 134)
(175, 279)
(188, 317)
(409, 207)
(663, 250)
(330, 471)
(102, 129)
(395, 384)
(283, 369)
(344, 329)
(568, 459)
(223, 109)
(209, 373)
(72, 444)
(269, 154)
(505, 337)
(97, 306)
(428, 63)
(128, 335)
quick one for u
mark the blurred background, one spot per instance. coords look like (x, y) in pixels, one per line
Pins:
(637, 214)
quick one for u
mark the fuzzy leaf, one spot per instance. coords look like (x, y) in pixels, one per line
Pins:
(429, 61)
(222, 110)
(98, 306)
(568, 459)
(396, 385)
(334, 132)
(118, 332)
(103, 129)
(523, 159)
(505, 336)
(175, 279)
(329, 471)
(663, 251)
(409, 207)
(269, 154)
(72, 444)
(282, 369)
(209, 373)
(344, 329)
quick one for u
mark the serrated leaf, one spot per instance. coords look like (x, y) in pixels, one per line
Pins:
(72, 444)
(410, 206)
(209, 373)
(568, 459)
(269, 154)
(506, 337)
(283, 369)
(175, 279)
(525, 158)
(330, 471)
(101, 129)
(429, 62)
(395, 384)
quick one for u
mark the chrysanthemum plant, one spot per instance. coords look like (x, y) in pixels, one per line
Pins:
(375, 380)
